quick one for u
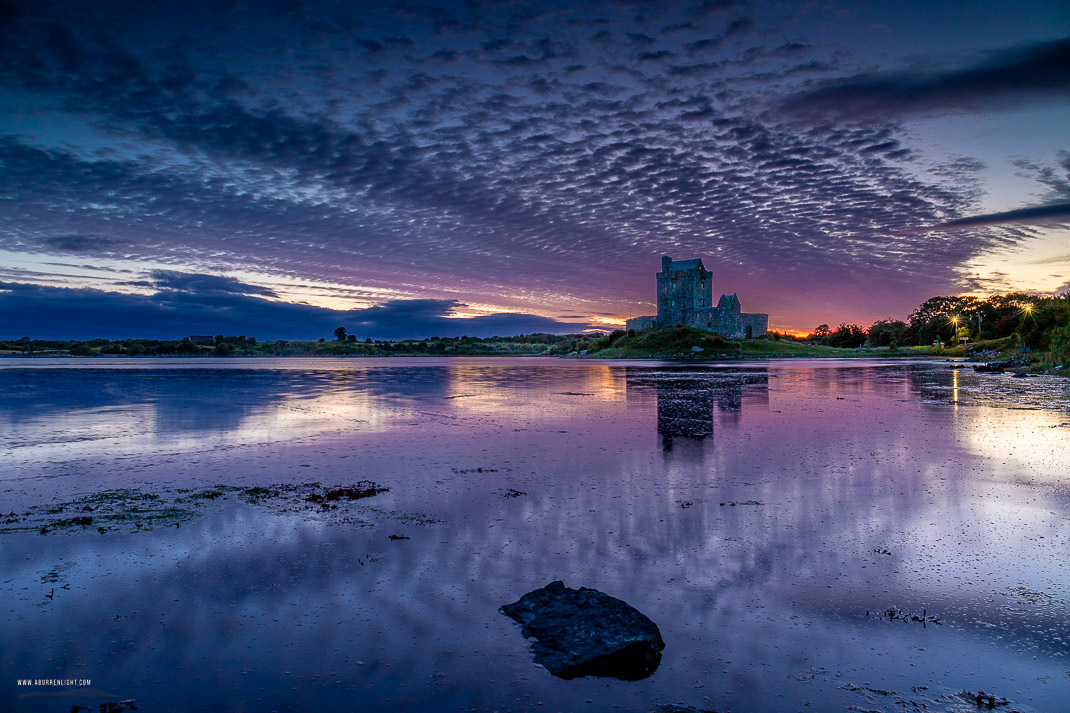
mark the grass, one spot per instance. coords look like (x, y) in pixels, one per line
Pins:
(678, 342)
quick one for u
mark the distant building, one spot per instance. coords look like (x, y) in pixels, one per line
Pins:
(201, 339)
(685, 297)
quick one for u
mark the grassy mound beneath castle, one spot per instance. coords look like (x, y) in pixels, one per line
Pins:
(662, 343)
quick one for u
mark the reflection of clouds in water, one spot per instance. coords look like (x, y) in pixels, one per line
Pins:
(834, 464)
(62, 414)
(740, 589)
(53, 414)
(1027, 444)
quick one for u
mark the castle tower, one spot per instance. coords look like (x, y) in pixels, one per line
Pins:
(685, 292)
(685, 297)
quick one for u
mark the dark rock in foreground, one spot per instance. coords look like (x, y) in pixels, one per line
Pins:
(583, 632)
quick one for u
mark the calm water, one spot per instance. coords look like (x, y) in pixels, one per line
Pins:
(754, 512)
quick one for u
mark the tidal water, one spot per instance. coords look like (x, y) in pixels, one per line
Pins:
(765, 516)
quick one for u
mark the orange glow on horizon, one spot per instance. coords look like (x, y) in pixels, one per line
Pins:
(792, 332)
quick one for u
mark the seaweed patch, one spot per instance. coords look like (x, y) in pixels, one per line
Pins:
(135, 510)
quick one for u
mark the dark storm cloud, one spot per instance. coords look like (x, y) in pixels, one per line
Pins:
(61, 313)
(205, 284)
(1034, 215)
(1035, 73)
(81, 244)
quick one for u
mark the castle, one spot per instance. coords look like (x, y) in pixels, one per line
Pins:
(685, 296)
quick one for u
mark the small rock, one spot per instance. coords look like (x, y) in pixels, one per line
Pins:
(982, 699)
(584, 632)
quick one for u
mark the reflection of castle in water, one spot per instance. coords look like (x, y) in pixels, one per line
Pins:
(689, 399)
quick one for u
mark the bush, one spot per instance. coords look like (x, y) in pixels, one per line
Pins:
(1060, 344)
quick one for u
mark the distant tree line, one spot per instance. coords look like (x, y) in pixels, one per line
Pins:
(344, 344)
(1040, 323)
(538, 343)
(219, 345)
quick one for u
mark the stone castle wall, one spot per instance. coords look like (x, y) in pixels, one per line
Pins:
(640, 323)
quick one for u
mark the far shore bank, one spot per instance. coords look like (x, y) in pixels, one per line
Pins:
(676, 344)
(905, 355)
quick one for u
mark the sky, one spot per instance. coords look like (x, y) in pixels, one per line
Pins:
(406, 169)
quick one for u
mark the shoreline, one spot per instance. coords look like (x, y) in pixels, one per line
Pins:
(1013, 369)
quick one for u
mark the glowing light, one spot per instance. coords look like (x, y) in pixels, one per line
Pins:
(793, 332)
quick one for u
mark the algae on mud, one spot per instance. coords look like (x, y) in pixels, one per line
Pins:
(121, 509)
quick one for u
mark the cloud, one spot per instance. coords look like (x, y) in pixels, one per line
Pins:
(739, 26)
(655, 55)
(81, 244)
(205, 284)
(208, 304)
(1033, 215)
(710, 7)
(549, 183)
(1058, 185)
(1007, 79)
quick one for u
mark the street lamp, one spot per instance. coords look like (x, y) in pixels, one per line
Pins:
(961, 334)
(1027, 311)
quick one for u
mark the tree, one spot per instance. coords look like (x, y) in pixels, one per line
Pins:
(887, 332)
(340, 334)
(1060, 344)
(931, 321)
(821, 331)
(351, 338)
(847, 336)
